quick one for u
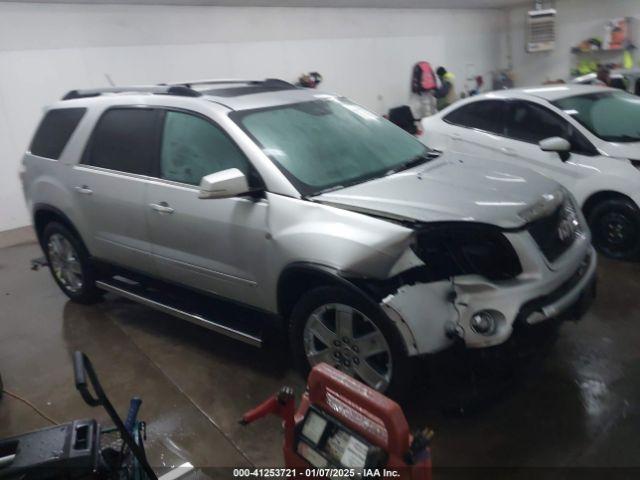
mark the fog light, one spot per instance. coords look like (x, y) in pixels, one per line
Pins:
(485, 322)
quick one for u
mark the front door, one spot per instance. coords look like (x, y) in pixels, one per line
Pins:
(214, 245)
(527, 124)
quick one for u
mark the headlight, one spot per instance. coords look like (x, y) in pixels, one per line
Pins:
(569, 213)
(452, 249)
(556, 232)
(543, 207)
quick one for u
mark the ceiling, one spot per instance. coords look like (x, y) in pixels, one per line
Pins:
(312, 3)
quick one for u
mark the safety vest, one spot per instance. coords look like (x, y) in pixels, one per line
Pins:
(452, 96)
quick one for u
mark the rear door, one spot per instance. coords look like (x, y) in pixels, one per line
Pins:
(209, 244)
(476, 128)
(110, 184)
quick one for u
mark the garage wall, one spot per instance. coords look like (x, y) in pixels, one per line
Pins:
(366, 54)
(576, 20)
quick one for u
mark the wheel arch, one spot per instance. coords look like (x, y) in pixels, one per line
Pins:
(44, 214)
(602, 196)
(298, 278)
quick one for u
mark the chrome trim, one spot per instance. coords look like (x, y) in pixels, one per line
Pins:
(161, 207)
(83, 190)
(190, 317)
(111, 172)
(207, 271)
(137, 176)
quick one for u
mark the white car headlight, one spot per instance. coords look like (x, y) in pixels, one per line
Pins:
(569, 225)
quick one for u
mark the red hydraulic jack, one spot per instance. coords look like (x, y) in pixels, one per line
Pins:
(343, 428)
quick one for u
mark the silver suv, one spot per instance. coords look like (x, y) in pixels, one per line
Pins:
(369, 247)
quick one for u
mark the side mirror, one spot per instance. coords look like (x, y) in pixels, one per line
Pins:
(556, 144)
(225, 184)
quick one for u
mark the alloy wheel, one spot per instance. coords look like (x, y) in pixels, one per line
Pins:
(344, 337)
(617, 234)
(65, 263)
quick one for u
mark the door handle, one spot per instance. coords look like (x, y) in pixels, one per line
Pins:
(162, 207)
(83, 190)
(456, 136)
(508, 151)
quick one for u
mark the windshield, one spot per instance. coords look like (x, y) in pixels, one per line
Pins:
(612, 116)
(329, 143)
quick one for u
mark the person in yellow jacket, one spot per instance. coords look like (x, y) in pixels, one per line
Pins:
(446, 93)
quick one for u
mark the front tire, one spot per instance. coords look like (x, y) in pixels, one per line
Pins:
(70, 264)
(615, 227)
(339, 327)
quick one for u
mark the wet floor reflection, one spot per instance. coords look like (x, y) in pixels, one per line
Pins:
(575, 403)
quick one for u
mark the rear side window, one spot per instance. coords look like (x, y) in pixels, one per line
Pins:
(125, 139)
(487, 115)
(54, 131)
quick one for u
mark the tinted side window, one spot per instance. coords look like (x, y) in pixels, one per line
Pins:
(193, 147)
(54, 131)
(125, 139)
(487, 115)
(531, 123)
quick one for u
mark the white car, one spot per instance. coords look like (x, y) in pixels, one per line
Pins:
(585, 137)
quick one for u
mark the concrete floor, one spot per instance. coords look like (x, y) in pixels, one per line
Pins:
(577, 407)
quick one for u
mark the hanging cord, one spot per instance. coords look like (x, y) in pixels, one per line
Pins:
(453, 298)
(35, 409)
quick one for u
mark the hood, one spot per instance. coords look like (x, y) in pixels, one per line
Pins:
(449, 188)
(621, 150)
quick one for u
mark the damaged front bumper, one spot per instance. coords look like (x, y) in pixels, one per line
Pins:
(433, 316)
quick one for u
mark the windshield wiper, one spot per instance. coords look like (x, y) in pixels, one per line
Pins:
(327, 190)
(414, 162)
(621, 138)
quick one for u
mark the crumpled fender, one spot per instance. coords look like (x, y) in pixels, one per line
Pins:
(350, 242)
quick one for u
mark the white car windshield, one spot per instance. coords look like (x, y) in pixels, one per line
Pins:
(330, 143)
(613, 116)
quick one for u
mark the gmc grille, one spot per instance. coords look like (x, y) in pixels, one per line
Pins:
(464, 249)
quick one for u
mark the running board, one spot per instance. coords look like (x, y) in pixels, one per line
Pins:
(157, 301)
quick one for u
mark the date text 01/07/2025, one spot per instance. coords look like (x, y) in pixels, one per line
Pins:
(315, 473)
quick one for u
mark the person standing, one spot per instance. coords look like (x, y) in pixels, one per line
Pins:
(446, 93)
(423, 84)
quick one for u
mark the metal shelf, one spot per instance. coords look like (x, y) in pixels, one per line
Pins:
(577, 51)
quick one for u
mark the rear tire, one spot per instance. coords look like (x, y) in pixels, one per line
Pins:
(70, 264)
(615, 226)
(373, 351)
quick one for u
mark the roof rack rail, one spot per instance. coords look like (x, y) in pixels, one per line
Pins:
(214, 81)
(277, 82)
(179, 90)
(235, 81)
